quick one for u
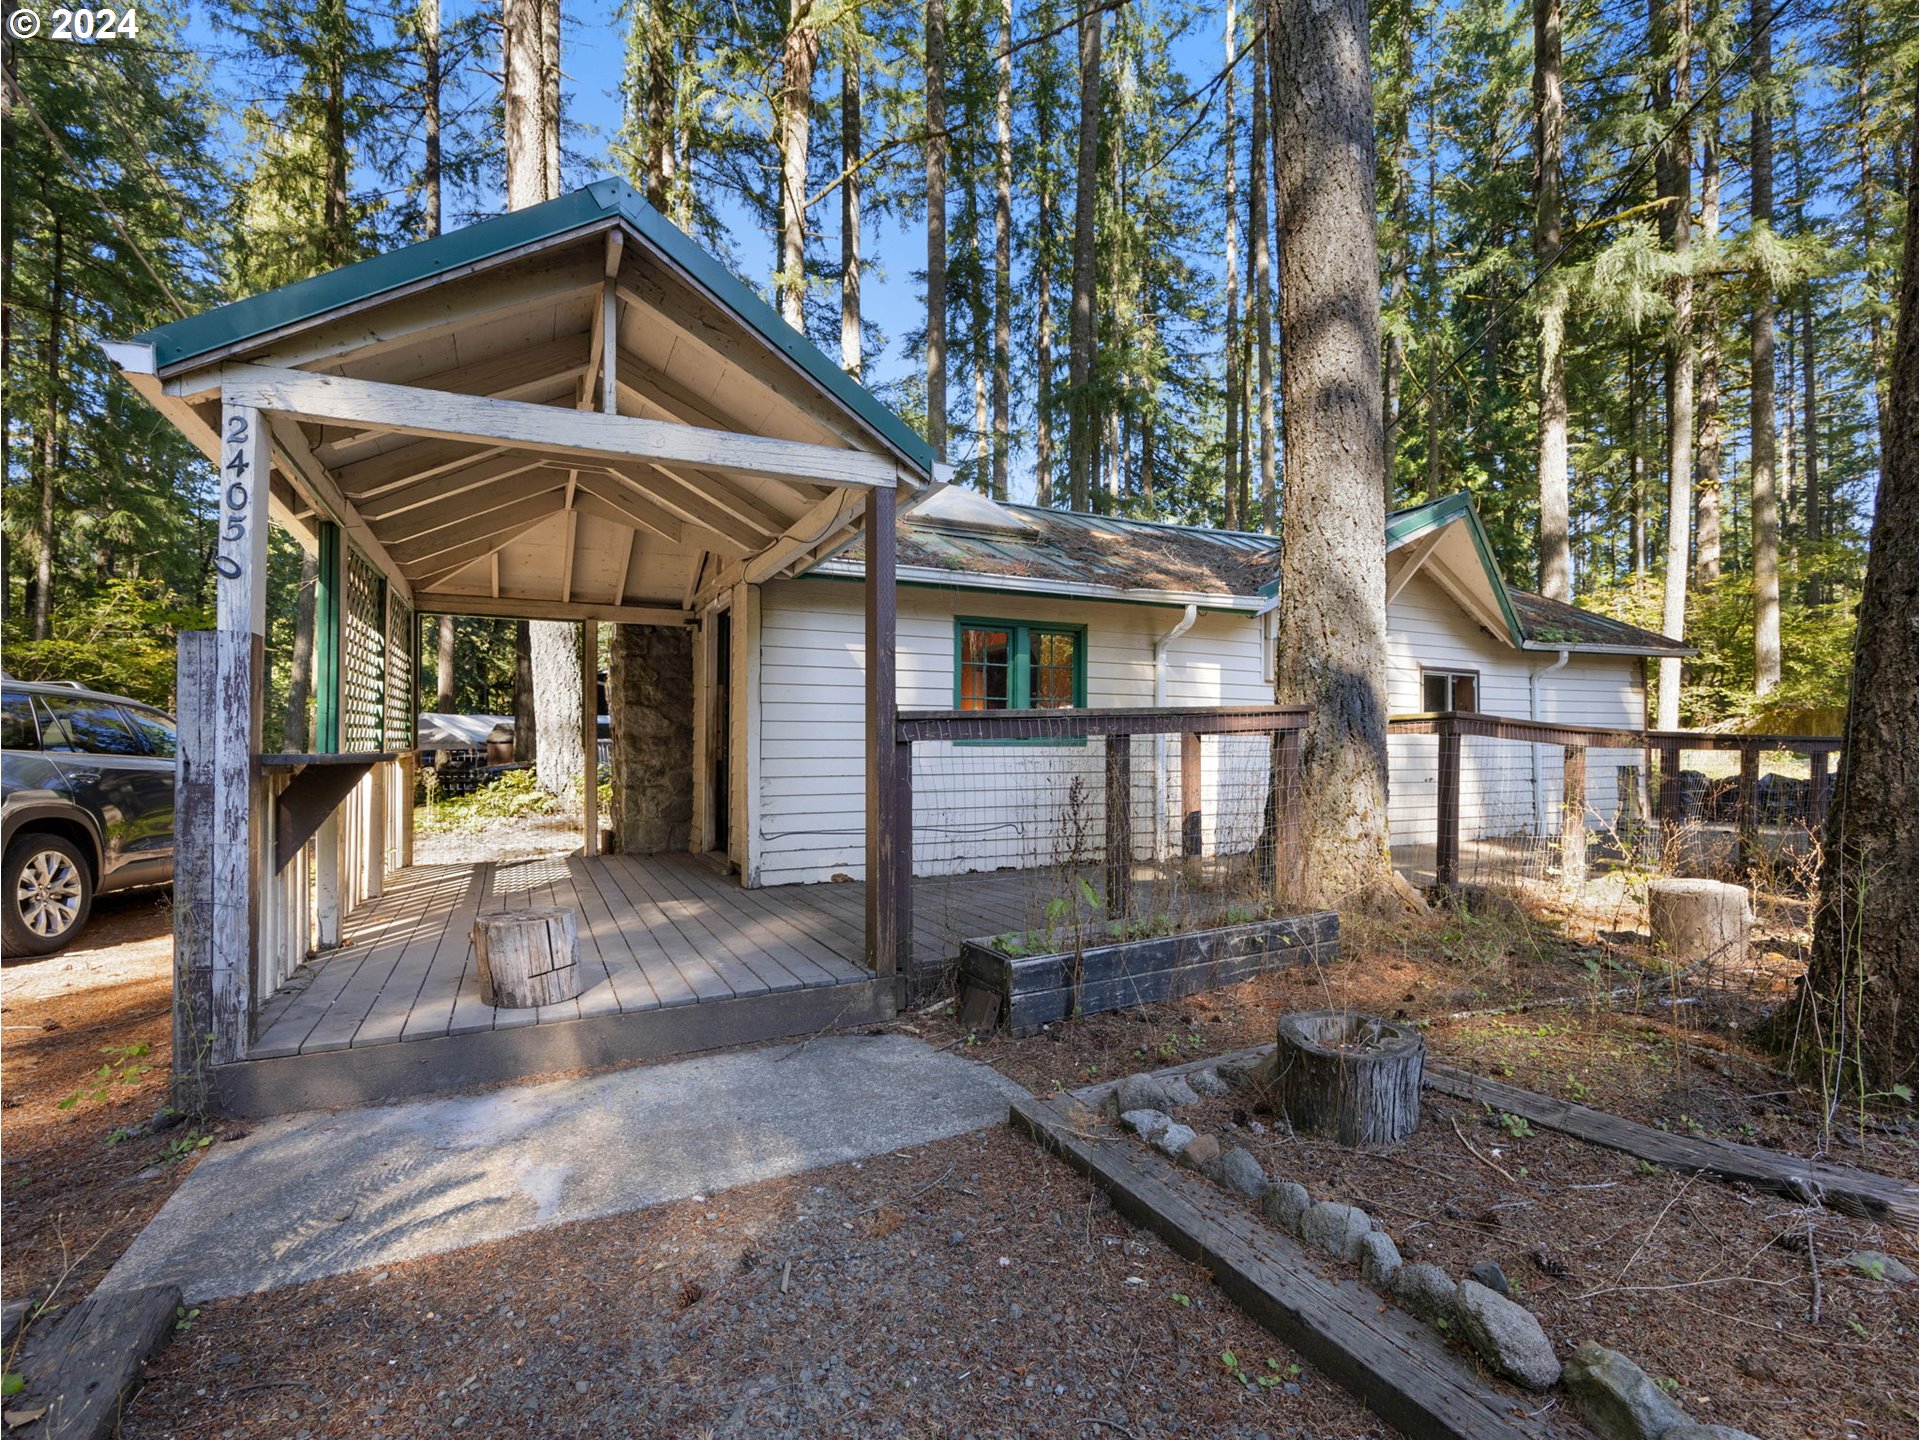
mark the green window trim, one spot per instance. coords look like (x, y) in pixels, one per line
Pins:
(1020, 635)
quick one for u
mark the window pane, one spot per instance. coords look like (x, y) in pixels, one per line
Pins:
(985, 662)
(156, 730)
(17, 730)
(1054, 666)
(1465, 693)
(1433, 693)
(89, 726)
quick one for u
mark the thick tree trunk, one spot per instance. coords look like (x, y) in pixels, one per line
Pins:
(293, 732)
(850, 344)
(1707, 453)
(1333, 567)
(1397, 261)
(531, 39)
(1043, 346)
(1002, 249)
(1549, 145)
(1860, 990)
(443, 667)
(431, 83)
(657, 148)
(1231, 484)
(1262, 317)
(797, 54)
(47, 452)
(1670, 36)
(1082, 433)
(1766, 495)
(936, 108)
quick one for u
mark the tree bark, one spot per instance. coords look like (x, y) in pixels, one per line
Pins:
(1766, 495)
(1082, 437)
(1043, 344)
(797, 54)
(1860, 990)
(1810, 443)
(1002, 248)
(443, 667)
(526, 723)
(1636, 463)
(936, 108)
(1670, 38)
(431, 84)
(1707, 454)
(1549, 145)
(1231, 485)
(48, 450)
(1333, 566)
(1397, 262)
(850, 343)
(1262, 317)
(529, 104)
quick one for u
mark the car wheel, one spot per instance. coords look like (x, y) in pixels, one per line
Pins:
(47, 890)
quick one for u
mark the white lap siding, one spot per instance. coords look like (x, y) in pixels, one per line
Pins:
(1426, 630)
(979, 807)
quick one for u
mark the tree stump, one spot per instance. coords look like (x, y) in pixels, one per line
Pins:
(1695, 921)
(526, 957)
(1351, 1076)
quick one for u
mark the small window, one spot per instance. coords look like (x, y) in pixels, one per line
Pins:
(86, 725)
(156, 730)
(1449, 690)
(1002, 665)
(17, 730)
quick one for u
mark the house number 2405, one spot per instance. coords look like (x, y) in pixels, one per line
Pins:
(235, 497)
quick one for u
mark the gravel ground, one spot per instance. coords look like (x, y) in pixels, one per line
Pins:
(964, 1288)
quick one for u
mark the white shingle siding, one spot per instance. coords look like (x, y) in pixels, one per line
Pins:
(812, 756)
(983, 807)
(1425, 629)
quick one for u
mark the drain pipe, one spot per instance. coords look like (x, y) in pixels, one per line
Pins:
(1533, 713)
(1160, 648)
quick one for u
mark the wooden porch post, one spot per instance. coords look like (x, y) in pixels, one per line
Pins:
(590, 735)
(884, 842)
(1190, 787)
(326, 738)
(1573, 816)
(236, 824)
(1446, 842)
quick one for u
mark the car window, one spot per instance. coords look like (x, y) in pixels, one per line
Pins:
(17, 730)
(156, 730)
(87, 725)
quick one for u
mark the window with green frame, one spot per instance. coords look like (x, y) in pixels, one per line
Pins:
(1012, 665)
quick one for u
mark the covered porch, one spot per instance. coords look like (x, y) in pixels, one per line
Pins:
(566, 414)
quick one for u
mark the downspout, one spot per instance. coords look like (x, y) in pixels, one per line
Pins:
(1160, 648)
(1533, 713)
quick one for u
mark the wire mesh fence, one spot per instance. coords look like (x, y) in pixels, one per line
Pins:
(1478, 800)
(1080, 826)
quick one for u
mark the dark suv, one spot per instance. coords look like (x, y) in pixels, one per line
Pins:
(86, 805)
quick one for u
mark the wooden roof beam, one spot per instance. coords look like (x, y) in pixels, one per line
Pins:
(457, 510)
(596, 438)
(512, 517)
(447, 486)
(444, 602)
(297, 458)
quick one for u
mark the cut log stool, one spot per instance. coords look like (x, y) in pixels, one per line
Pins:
(527, 957)
(1695, 921)
(1351, 1076)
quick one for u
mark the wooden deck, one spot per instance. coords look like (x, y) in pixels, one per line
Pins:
(656, 932)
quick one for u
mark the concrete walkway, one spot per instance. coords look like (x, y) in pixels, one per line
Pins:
(308, 1196)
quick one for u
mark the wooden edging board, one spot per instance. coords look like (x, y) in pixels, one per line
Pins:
(92, 1361)
(1839, 1187)
(1400, 1369)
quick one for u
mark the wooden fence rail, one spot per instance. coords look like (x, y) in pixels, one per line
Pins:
(1666, 747)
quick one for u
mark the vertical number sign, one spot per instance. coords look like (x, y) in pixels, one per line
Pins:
(240, 551)
(236, 496)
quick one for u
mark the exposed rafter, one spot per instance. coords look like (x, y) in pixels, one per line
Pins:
(290, 445)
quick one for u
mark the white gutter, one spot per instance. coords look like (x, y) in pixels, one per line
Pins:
(1160, 648)
(1533, 713)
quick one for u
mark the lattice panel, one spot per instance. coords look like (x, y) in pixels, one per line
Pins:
(400, 671)
(363, 654)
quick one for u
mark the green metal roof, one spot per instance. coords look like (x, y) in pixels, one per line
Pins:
(584, 209)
